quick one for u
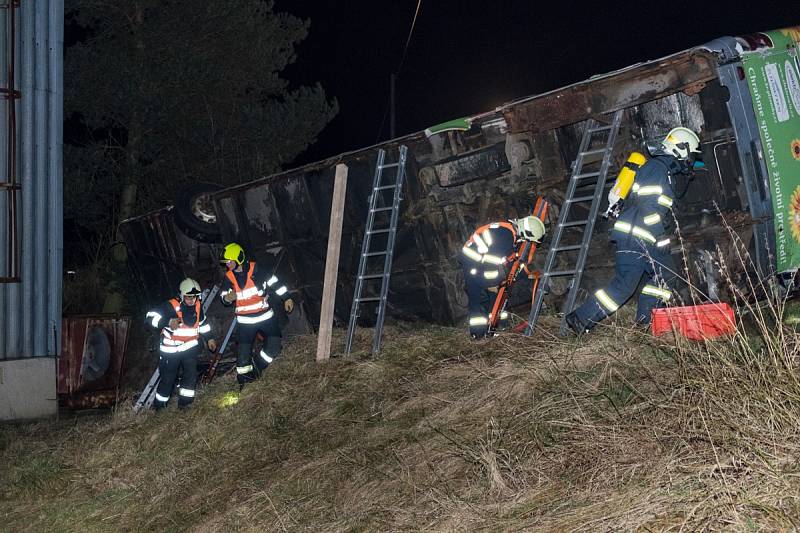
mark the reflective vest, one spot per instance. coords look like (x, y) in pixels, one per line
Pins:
(250, 300)
(183, 337)
(479, 244)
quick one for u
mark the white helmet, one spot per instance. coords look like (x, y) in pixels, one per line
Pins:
(681, 142)
(530, 228)
(189, 287)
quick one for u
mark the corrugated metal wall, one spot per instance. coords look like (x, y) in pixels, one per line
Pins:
(30, 311)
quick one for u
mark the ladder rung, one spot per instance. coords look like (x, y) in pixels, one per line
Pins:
(385, 187)
(593, 152)
(381, 209)
(370, 254)
(582, 199)
(601, 128)
(587, 175)
(389, 165)
(369, 299)
(575, 223)
(371, 276)
(568, 248)
(374, 231)
(558, 273)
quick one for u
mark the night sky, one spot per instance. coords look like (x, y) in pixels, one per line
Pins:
(467, 57)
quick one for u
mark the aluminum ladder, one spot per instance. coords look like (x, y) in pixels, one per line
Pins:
(377, 204)
(148, 394)
(598, 139)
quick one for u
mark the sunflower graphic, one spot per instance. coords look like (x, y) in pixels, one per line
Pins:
(796, 149)
(793, 32)
(794, 214)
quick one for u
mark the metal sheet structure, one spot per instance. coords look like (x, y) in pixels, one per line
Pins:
(686, 71)
(495, 169)
(31, 307)
(160, 254)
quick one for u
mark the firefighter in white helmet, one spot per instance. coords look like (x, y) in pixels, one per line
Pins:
(485, 258)
(183, 325)
(642, 236)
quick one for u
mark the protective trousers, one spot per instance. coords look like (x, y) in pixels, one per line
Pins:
(246, 371)
(169, 365)
(635, 262)
(480, 302)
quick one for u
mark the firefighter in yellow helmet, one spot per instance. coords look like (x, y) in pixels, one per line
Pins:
(485, 258)
(183, 325)
(641, 234)
(253, 289)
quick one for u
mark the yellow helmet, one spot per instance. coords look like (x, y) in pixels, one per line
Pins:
(189, 287)
(681, 142)
(530, 228)
(232, 252)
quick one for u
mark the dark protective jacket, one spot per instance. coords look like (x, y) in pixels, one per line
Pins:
(647, 212)
(192, 325)
(488, 252)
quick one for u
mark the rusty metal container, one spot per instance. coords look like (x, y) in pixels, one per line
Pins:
(90, 364)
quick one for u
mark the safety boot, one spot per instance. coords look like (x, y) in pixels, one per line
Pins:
(575, 324)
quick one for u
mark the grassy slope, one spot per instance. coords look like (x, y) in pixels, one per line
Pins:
(437, 434)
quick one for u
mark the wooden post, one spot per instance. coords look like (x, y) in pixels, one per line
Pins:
(332, 264)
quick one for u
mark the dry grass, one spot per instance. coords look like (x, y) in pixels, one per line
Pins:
(616, 431)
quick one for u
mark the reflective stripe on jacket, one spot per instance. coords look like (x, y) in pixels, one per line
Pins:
(183, 337)
(250, 299)
(647, 210)
(489, 248)
(184, 333)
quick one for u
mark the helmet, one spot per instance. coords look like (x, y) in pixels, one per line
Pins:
(681, 142)
(189, 287)
(530, 228)
(232, 252)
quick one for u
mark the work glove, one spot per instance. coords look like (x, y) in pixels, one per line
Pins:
(613, 196)
(504, 269)
(613, 210)
(229, 297)
(174, 323)
(288, 306)
(212, 345)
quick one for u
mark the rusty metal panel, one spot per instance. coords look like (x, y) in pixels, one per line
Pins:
(283, 224)
(479, 164)
(161, 255)
(300, 218)
(283, 219)
(686, 71)
(92, 355)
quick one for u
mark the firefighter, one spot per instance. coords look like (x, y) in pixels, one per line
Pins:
(182, 324)
(642, 237)
(485, 259)
(250, 287)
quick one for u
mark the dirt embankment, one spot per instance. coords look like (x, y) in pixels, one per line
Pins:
(614, 431)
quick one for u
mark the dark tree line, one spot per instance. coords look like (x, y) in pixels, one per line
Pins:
(161, 93)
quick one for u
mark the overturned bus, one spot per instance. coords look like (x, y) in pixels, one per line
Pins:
(741, 94)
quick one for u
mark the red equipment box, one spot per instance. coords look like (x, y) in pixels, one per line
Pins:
(696, 322)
